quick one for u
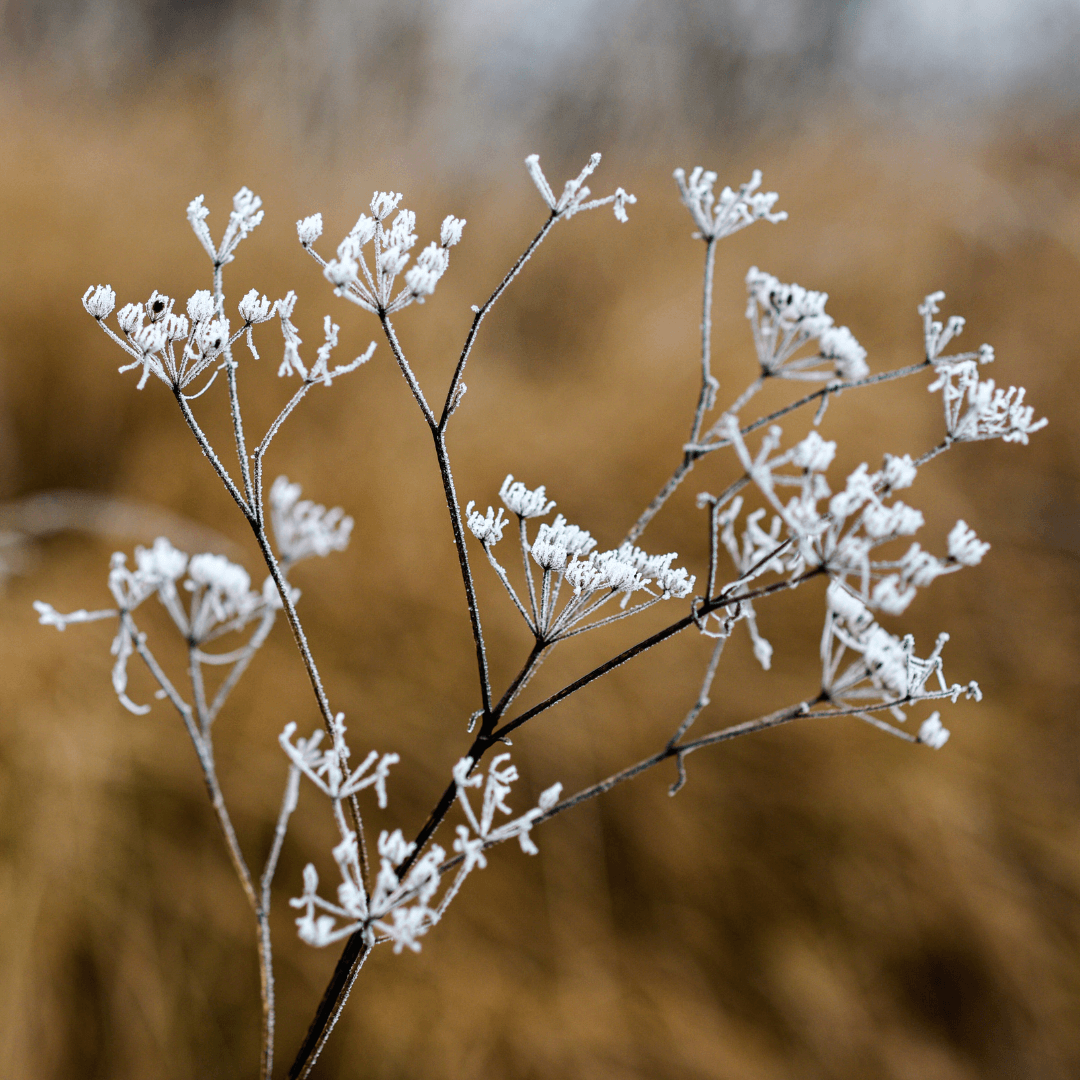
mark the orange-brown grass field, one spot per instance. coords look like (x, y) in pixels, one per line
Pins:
(819, 901)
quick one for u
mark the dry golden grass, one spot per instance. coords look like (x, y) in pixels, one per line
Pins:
(818, 902)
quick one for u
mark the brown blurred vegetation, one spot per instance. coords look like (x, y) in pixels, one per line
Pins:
(820, 901)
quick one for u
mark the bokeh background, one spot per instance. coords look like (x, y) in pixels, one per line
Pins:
(819, 902)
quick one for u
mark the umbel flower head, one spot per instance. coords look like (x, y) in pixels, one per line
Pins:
(371, 286)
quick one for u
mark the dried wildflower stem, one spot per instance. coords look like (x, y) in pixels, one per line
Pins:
(480, 312)
(325, 1020)
(834, 389)
(705, 608)
(437, 433)
(709, 384)
(197, 722)
(209, 452)
(255, 519)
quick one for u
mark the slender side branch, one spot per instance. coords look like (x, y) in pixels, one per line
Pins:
(480, 312)
(407, 371)
(209, 453)
(709, 385)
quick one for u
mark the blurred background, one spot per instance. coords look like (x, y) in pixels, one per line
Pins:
(820, 901)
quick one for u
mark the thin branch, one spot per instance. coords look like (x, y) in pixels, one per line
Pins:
(238, 428)
(466, 571)
(410, 378)
(208, 451)
(709, 384)
(480, 312)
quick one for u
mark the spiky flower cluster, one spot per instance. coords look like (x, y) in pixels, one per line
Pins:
(784, 318)
(732, 211)
(372, 287)
(403, 905)
(565, 553)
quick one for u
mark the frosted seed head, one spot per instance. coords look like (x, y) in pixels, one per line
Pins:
(309, 229)
(130, 317)
(200, 306)
(814, 454)
(162, 562)
(523, 502)
(450, 233)
(159, 306)
(487, 528)
(383, 203)
(932, 733)
(898, 472)
(254, 310)
(964, 546)
(216, 572)
(99, 301)
(839, 345)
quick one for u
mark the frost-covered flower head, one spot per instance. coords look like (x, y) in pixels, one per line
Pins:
(245, 216)
(521, 501)
(221, 593)
(717, 217)
(372, 286)
(487, 528)
(976, 410)
(575, 193)
(99, 301)
(302, 528)
(785, 318)
(885, 667)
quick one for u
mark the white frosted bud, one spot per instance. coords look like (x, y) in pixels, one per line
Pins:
(309, 229)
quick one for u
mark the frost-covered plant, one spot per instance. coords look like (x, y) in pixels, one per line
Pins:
(565, 586)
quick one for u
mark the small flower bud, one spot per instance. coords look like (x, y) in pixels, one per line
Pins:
(309, 229)
(451, 231)
(254, 310)
(99, 301)
(130, 316)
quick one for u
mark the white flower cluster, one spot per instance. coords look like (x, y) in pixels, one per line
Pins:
(151, 331)
(841, 536)
(402, 907)
(565, 552)
(301, 527)
(327, 769)
(785, 318)
(221, 601)
(732, 211)
(974, 408)
(354, 279)
(886, 669)
(574, 194)
(246, 215)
